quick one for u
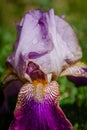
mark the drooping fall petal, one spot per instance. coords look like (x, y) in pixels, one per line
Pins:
(37, 109)
(8, 97)
(8, 92)
(77, 73)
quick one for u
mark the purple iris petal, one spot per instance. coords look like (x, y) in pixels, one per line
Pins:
(39, 111)
(77, 74)
(78, 81)
(81, 79)
(85, 69)
(12, 88)
(1, 96)
(8, 92)
(8, 98)
(41, 116)
(69, 37)
(46, 40)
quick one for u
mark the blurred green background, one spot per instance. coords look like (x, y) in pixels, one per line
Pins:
(73, 100)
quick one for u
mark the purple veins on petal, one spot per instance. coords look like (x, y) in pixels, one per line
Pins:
(38, 111)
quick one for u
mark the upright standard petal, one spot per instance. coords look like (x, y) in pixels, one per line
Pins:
(68, 35)
(45, 39)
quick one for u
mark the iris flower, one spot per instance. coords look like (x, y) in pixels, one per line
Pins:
(46, 48)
